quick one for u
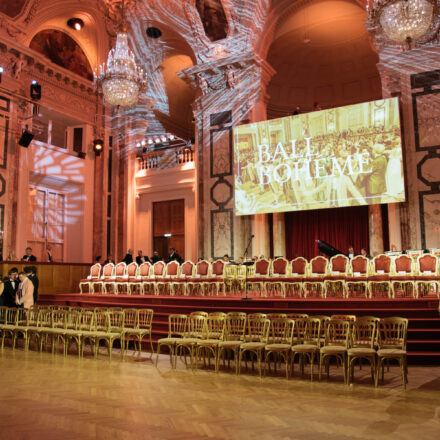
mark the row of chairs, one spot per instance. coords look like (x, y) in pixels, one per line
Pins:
(51, 325)
(384, 275)
(287, 337)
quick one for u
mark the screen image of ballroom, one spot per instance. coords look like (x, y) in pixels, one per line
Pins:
(346, 156)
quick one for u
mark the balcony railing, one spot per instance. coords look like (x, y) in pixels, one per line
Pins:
(165, 159)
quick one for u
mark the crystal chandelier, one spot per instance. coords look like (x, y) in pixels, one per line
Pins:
(120, 80)
(403, 21)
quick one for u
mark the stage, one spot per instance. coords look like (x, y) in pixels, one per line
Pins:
(423, 314)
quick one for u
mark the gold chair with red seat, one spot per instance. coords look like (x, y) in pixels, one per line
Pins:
(95, 272)
(106, 276)
(298, 273)
(180, 284)
(166, 281)
(379, 281)
(260, 276)
(338, 271)
(157, 273)
(143, 275)
(427, 275)
(119, 277)
(217, 278)
(314, 283)
(357, 281)
(403, 279)
(277, 281)
(197, 284)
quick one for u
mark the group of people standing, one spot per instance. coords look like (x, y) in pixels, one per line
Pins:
(141, 258)
(19, 289)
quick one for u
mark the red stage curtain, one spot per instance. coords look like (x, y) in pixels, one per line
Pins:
(339, 227)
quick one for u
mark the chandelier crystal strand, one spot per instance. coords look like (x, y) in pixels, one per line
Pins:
(120, 80)
(406, 20)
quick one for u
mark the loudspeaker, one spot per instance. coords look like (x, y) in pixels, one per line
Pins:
(26, 138)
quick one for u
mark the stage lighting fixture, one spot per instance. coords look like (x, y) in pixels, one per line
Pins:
(25, 138)
(153, 32)
(1, 72)
(98, 146)
(75, 23)
(35, 90)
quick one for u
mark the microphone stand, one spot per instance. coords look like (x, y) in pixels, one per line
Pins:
(246, 264)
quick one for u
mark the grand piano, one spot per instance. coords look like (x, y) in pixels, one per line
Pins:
(327, 249)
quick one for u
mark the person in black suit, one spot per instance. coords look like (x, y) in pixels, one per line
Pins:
(31, 273)
(140, 259)
(28, 256)
(128, 257)
(10, 288)
(155, 258)
(109, 260)
(174, 256)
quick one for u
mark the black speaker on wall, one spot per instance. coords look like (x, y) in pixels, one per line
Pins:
(25, 139)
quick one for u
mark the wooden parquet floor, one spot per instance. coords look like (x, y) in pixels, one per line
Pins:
(45, 396)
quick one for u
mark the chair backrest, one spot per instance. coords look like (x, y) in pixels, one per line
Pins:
(297, 315)
(199, 313)
(218, 268)
(235, 326)
(196, 327)
(107, 271)
(359, 264)
(382, 263)
(44, 317)
(144, 269)
(172, 268)
(120, 269)
(392, 333)
(363, 333)
(300, 330)
(158, 268)
(276, 315)
(314, 330)
(281, 331)
(145, 318)
(3, 312)
(101, 320)
(116, 320)
(403, 263)
(350, 318)
(256, 315)
(217, 314)
(279, 266)
(337, 332)
(262, 267)
(319, 265)
(131, 318)
(258, 329)
(215, 327)
(187, 269)
(177, 325)
(31, 317)
(59, 318)
(427, 263)
(339, 263)
(73, 319)
(299, 266)
(202, 268)
(95, 271)
(132, 269)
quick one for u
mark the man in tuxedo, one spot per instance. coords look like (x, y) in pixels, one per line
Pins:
(28, 256)
(10, 289)
(31, 273)
(174, 256)
(350, 253)
(140, 259)
(25, 294)
(128, 257)
(155, 258)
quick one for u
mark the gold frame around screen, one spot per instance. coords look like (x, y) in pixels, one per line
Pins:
(346, 156)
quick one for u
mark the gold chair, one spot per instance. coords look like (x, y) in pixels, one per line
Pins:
(258, 333)
(106, 276)
(85, 330)
(199, 313)
(186, 273)
(234, 330)
(403, 279)
(379, 280)
(216, 279)
(119, 277)
(298, 273)
(392, 345)
(214, 334)
(9, 323)
(195, 331)
(95, 272)
(27, 327)
(167, 282)
(176, 331)
(314, 283)
(363, 339)
(132, 270)
(335, 281)
(307, 342)
(357, 281)
(198, 283)
(276, 315)
(279, 342)
(142, 276)
(277, 282)
(297, 316)
(157, 272)
(336, 345)
(427, 276)
(139, 329)
(261, 272)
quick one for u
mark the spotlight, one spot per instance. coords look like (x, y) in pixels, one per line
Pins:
(75, 23)
(35, 90)
(98, 146)
(1, 71)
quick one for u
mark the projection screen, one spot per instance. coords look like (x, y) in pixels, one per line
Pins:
(344, 156)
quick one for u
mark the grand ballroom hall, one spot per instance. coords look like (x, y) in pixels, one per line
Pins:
(219, 219)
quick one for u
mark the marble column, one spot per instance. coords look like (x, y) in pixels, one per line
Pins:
(394, 226)
(261, 243)
(375, 229)
(279, 234)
